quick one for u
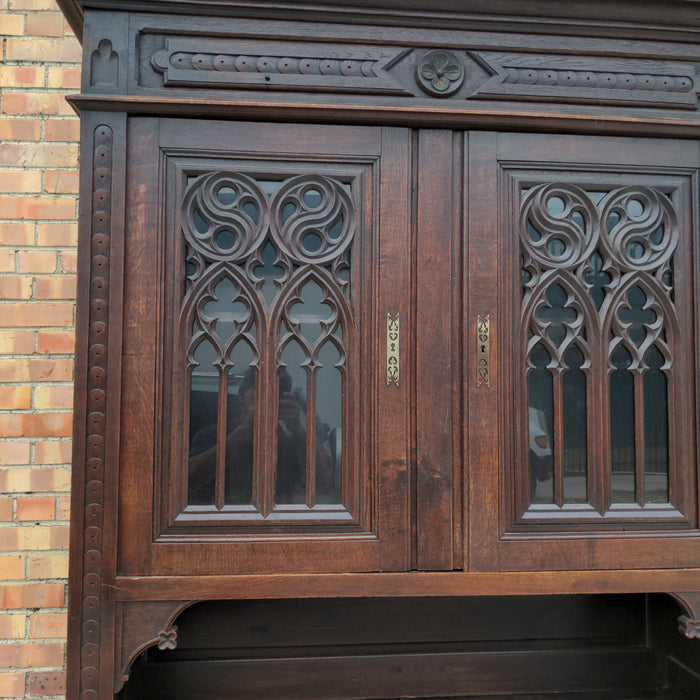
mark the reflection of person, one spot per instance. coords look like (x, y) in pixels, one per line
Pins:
(291, 449)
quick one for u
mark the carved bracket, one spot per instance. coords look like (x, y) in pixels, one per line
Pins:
(689, 624)
(143, 625)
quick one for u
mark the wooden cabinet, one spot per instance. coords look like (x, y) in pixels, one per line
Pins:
(357, 320)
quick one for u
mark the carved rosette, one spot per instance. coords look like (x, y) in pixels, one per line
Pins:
(96, 388)
(440, 73)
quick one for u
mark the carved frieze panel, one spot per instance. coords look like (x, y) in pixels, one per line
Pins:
(229, 63)
(588, 79)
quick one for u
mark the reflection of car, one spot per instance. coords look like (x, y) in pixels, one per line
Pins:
(541, 458)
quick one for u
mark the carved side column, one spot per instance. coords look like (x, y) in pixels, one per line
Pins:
(96, 416)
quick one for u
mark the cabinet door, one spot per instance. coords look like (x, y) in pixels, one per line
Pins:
(263, 429)
(581, 337)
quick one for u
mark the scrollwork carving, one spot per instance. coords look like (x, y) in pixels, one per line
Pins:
(225, 216)
(642, 228)
(314, 219)
(559, 225)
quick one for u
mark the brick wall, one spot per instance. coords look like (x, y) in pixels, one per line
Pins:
(38, 207)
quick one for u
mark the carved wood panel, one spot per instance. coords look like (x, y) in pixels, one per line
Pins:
(600, 333)
(268, 304)
(590, 417)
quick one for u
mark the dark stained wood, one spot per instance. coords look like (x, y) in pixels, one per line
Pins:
(429, 122)
(437, 221)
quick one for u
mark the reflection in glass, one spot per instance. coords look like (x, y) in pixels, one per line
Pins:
(221, 447)
(655, 428)
(204, 410)
(575, 426)
(240, 427)
(541, 412)
(291, 426)
(329, 422)
(310, 458)
(622, 427)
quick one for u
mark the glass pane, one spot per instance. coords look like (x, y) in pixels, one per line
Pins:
(655, 429)
(622, 427)
(291, 427)
(575, 426)
(204, 403)
(541, 411)
(329, 425)
(240, 427)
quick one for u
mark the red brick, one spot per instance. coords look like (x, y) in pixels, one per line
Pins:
(12, 684)
(20, 129)
(56, 342)
(47, 683)
(21, 76)
(36, 508)
(62, 130)
(57, 233)
(36, 261)
(20, 181)
(30, 103)
(17, 596)
(68, 262)
(63, 77)
(36, 370)
(42, 480)
(32, 4)
(31, 655)
(11, 567)
(36, 424)
(53, 397)
(63, 508)
(61, 181)
(17, 234)
(53, 452)
(42, 207)
(46, 566)
(16, 342)
(7, 260)
(12, 24)
(15, 287)
(16, 397)
(45, 24)
(47, 625)
(5, 508)
(39, 155)
(60, 50)
(60, 287)
(14, 452)
(13, 626)
(36, 314)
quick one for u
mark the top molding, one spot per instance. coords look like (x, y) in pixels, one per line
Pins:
(672, 20)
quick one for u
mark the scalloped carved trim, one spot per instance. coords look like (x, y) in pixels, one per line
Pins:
(587, 79)
(276, 65)
(143, 625)
(91, 604)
